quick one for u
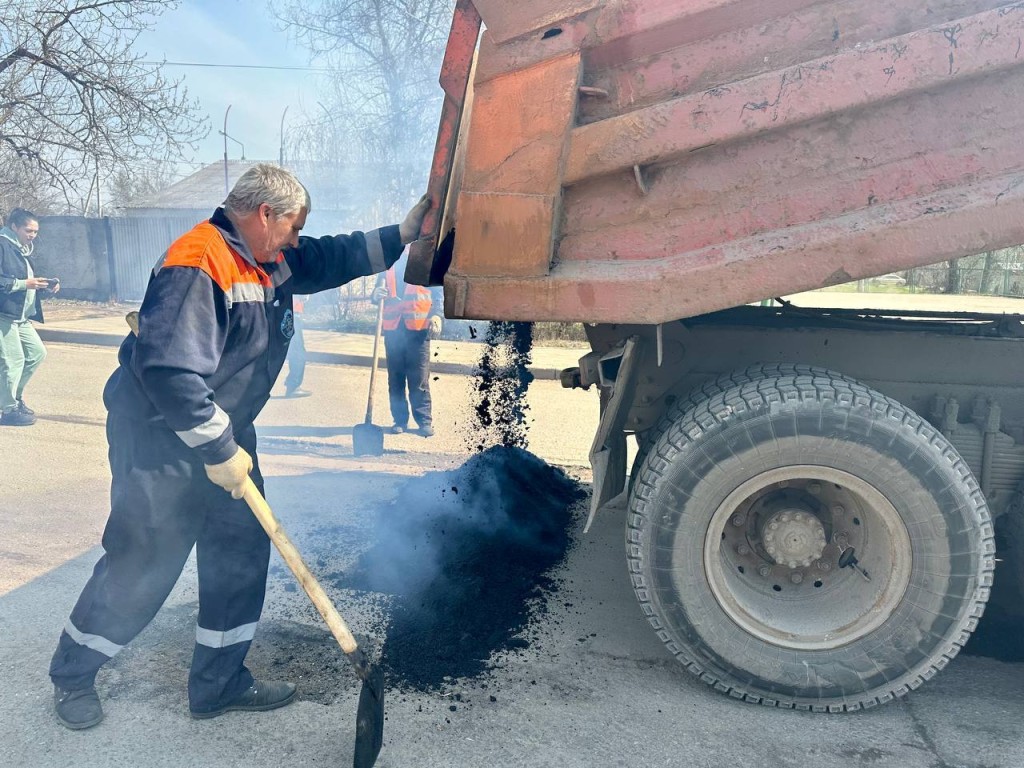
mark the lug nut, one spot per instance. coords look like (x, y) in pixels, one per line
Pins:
(838, 509)
(743, 549)
(796, 578)
(765, 571)
(814, 487)
(824, 565)
(737, 520)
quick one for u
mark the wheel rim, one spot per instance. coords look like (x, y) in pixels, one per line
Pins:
(850, 548)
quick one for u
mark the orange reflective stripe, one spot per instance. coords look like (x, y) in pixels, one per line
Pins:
(414, 308)
(204, 248)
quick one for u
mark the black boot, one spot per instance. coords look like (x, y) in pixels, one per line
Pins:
(260, 697)
(24, 408)
(77, 709)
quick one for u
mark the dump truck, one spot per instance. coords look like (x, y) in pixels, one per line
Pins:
(812, 514)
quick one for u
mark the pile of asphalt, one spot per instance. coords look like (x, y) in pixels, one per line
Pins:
(466, 557)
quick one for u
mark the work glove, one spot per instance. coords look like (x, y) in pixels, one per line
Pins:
(409, 229)
(378, 295)
(231, 474)
(435, 327)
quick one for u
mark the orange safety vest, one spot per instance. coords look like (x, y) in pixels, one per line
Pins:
(414, 308)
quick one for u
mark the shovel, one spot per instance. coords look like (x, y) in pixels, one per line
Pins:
(370, 714)
(367, 439)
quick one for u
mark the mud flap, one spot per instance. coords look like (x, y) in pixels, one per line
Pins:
(618, 371)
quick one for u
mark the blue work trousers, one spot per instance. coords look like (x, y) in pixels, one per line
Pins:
(163, 504)
(408, 354)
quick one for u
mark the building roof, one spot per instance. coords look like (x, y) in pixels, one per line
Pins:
(203, 190)
(197, 195)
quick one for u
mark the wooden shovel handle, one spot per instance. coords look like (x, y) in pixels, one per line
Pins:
(291, 555)
(284, 545)
(373, 362)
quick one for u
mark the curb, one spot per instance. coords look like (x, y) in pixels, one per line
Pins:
(99, 339)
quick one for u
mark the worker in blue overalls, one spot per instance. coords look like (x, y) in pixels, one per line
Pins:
(213, 332)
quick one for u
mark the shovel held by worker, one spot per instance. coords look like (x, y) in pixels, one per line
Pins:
(370, 714)
(368, 439)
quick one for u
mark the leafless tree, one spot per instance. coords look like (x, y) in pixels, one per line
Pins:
(124, 187)
(24, 185)
(77, 101)
(953, 276)
(377, 123)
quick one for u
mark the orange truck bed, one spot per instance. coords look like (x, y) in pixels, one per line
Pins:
(641, 161)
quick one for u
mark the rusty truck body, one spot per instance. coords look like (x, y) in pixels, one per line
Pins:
(812, 514)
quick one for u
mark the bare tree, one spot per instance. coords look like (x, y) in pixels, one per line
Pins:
(76, 99)
(124, 187)
(991, 264)
(24, 185)
(953, 276)
(379, 117)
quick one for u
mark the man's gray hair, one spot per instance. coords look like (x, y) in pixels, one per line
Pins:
(270, 184)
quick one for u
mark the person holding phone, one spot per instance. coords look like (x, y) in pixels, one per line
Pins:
(21, 351)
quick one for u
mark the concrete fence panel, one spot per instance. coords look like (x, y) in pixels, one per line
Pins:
(75, 249)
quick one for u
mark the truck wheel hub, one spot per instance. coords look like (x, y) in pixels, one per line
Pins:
(793, 538)
(772, 550)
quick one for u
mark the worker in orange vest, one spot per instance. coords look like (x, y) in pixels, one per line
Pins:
(412, 317)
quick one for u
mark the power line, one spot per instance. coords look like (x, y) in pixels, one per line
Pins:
(236, 66)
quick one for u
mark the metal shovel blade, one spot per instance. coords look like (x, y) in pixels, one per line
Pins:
(370, 720)
(367, 440)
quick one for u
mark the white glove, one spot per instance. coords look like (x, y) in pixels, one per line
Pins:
(409, 229)
(435, 327)
(231, 474)
(378, 295)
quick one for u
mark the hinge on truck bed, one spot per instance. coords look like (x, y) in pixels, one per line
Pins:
(608, 452)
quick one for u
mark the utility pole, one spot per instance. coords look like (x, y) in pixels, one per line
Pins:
(280, 157)
(224, 133)
(226, 136)
(99, 203)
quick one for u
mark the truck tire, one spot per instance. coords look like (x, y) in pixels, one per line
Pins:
(803, 541)
(708, 389)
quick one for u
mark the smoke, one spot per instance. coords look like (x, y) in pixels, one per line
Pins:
(465, 556)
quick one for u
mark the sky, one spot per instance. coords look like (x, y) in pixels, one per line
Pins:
(235, 32)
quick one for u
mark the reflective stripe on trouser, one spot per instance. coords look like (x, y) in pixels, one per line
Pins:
(161, 505)
(408, 357)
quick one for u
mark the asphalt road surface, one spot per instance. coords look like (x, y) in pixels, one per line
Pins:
(594, 687)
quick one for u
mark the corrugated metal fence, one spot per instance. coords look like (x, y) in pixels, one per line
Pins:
(136, 244)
